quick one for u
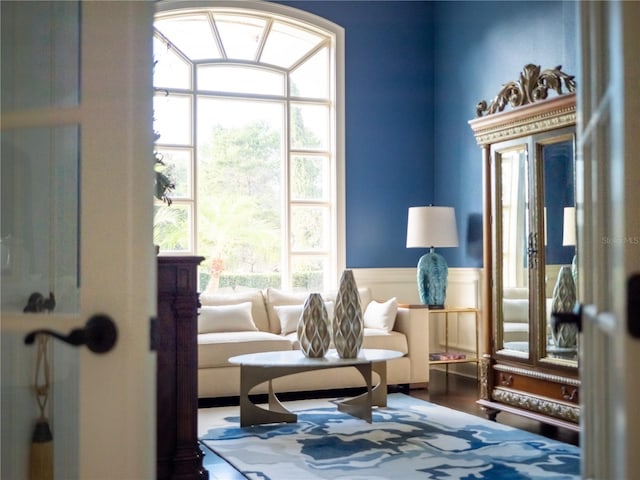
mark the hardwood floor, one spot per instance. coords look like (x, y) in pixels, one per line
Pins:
(453, 391)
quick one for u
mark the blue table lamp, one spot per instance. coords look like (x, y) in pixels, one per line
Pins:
(430, 227)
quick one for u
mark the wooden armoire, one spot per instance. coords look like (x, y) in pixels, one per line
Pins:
(527, 138)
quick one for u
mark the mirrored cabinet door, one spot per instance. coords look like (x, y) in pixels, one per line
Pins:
(535, 246)
(556, 162)
(511, 211)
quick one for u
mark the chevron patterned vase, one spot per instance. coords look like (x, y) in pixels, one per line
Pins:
(348, 323)
(314, 332)
(564, 299)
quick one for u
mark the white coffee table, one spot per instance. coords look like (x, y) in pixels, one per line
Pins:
(257, 368)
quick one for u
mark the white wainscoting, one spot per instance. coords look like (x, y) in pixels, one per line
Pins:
(464, 290)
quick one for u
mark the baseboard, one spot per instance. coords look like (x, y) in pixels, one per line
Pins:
(468, 370)
(419, 386)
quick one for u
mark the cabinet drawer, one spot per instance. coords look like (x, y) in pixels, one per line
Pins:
(545, 387)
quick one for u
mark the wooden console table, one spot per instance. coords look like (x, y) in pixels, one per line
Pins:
(178, 453)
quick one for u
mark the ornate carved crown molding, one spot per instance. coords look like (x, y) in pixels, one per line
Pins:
(550, 114)
(533, 86)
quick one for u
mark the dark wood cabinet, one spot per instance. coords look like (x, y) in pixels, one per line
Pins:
(530, 366)
(178, 453)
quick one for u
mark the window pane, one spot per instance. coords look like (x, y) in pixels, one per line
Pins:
(40, 54)
(178, 164)
(172, 228)
(240, 79)
(240, 35)
(309, 178)
(309, 227)
(309, 126)
(170, 70)
(192, 34)
(287, 44)
(40, 203)
(311, 79)
(309, 273)
(241, 144)
(172, 119)
(240, 152)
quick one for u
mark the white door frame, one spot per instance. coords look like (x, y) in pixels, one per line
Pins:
(609, 235)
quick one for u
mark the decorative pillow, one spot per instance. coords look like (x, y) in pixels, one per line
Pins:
(258, 309)
(381, 315)
(226, 318)
(289, 316)
(274, 297)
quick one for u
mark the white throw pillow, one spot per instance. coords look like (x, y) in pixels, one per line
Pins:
(258, 310)
(226, 318)
(289, 316)
(381, 315)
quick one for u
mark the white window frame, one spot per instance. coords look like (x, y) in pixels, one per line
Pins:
(337, 247)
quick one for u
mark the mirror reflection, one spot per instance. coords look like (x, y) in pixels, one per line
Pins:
(557, 156)
(514, 239)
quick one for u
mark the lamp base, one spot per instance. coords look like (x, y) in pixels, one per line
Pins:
(432, 280)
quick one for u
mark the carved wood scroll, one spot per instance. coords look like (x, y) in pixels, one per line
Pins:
(533, 86)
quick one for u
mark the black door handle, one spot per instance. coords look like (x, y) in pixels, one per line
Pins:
(99, 334)
(573, 317)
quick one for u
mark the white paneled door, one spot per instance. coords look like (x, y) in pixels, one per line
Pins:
(608, 172)
(77, 194)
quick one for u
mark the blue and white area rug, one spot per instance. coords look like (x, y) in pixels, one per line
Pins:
(408, 439)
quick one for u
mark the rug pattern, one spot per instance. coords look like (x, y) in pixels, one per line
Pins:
(409, 439)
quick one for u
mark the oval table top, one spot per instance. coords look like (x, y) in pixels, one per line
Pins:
(296, 357)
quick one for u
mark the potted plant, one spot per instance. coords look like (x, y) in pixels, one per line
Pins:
(164, 184)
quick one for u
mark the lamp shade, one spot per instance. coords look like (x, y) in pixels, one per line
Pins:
(432, 227)
(569, 226)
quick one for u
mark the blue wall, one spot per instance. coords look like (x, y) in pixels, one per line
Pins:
(479, 46)
(414, 73)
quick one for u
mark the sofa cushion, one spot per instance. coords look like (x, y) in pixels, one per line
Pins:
(226, 318)
(376, 338)
(516, 292)
(214, 349)
(274, 297)
(373, 338)
(365, 298)
(515, 310)
(381, 315)
(258, 310)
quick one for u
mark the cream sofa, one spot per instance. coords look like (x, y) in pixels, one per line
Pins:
(515, 312)
(251, 321)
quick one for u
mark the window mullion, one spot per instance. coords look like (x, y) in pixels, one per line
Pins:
(194, 159)
(310, 216)
(286, 178)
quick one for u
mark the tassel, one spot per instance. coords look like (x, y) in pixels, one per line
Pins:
(41, 453)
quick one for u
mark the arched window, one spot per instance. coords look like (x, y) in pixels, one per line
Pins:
(249, 121)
